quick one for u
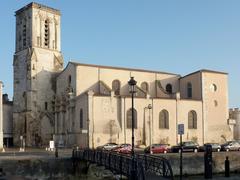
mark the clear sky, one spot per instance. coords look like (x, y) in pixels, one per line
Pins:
(165, 35)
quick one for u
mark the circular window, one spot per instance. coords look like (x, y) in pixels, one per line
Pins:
(213, 87)
(215, 103)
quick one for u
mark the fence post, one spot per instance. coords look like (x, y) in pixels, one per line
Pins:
(109, 160)
(164, 169)
(121, 166)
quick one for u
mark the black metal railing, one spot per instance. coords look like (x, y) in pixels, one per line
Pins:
(122, 164)
(157, 165)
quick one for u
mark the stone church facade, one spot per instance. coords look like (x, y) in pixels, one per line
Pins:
(89, 105)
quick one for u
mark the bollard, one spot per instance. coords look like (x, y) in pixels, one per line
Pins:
(2, 174)
(227, 167)
(208, 162)
(56, 152)
(74, 162)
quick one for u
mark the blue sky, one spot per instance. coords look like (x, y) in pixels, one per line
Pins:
(165, 35)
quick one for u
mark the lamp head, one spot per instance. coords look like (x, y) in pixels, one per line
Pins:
(132, 85)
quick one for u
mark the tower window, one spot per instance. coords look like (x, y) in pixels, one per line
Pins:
(46, 106)
(24, 35)
(46, 33)
(69, 80)
(81, 118)
(25, 125)
(189, 90)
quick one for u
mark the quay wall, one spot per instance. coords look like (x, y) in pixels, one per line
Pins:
(45, 168)
(193, 163)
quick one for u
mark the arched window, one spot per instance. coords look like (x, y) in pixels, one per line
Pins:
(81, 118)
(213, 87)
(144, 86)
(169, 88)
(164, 119)
(116, 85)
(189, 90)
(192, 120)
(69, 80)
(46, 33)
(129, 118)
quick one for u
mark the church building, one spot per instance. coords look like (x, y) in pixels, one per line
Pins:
(89, 105)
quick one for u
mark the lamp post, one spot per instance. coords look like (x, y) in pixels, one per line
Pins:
(150, 132)
(132, 85)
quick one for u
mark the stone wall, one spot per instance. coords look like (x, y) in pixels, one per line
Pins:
(45, 168)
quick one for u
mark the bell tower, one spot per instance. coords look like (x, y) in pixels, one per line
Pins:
(37, 61)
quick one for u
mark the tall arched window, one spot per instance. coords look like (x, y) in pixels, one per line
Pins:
(169, 88)
(129, 118)
(24, 34)
(164, 119)
(46, 33)
(189, 90)
(81, 118)
(116, 85)
(192, 120)
(144, 86)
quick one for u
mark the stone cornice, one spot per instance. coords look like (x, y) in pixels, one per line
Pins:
(38, 6)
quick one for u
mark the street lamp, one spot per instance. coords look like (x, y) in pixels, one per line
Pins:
(132, 89)
(150, 132)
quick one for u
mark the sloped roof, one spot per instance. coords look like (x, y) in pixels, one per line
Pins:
(120, 68)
